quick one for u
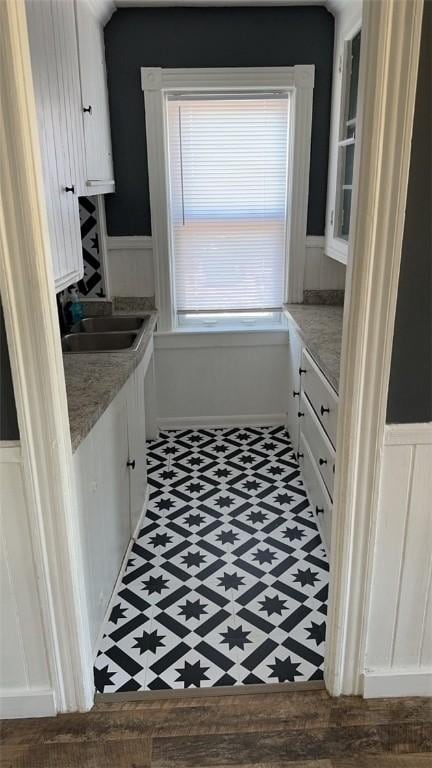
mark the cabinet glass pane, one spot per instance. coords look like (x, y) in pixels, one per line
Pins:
(348, 164)
(353, 86)
(347, 138)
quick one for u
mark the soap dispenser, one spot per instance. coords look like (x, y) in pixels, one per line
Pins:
(76, 309)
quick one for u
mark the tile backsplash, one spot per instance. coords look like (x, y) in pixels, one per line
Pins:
(92, 284)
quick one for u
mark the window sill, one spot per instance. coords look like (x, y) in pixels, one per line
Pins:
(199, 337)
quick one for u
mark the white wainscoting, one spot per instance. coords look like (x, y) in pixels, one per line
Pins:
(398, 659)
(25, 686)
(321, 272)
(219, 379)
(131, 272)
(130, 266)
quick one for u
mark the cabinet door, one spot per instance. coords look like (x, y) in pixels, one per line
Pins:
(137, 445)
(51, 42)
(102, 483)
(294, 358)
(94, 100)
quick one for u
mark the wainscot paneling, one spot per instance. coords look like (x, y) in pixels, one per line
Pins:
(399, 627)
(321, 272)
(130, 267)
(25, 686)
(219, 379)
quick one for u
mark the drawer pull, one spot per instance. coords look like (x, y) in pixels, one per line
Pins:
(70, 189)
(300, 455)
(319, 510)
(300, 414)
(322, 461)
(296, 394)
(88, 109)
(324, 410)
(131, 463)
(301, 371)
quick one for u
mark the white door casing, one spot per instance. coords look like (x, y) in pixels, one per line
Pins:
(26, 287)
(390, 49)
(387, 86)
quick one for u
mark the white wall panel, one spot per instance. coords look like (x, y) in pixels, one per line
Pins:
(131, 273)
(25, 686)
(130, 266)
(321, 272)
(399, 627)
(218, 378)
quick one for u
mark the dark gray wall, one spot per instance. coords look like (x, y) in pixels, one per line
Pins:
(410, 392)
(207, 37)
(8, 418)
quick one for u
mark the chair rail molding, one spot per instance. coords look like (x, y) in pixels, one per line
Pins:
(28, 298)
(387, 87)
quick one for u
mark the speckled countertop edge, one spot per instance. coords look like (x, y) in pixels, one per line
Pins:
(94, 379)
(320, 328)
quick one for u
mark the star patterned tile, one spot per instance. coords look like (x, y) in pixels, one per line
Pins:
(227, 581)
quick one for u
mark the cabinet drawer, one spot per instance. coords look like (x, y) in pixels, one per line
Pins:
(318, 442)
(317, 493)
(321, 395)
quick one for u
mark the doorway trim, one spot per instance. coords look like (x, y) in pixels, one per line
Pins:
(28, 298)
(391, 33)
(390, 52)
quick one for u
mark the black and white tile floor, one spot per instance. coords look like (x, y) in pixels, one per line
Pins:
(227, 582)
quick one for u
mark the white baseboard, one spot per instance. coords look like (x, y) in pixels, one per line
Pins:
(27, 702)
(197, 422)
(381, 683)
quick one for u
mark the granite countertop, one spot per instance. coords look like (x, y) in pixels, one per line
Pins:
(94, 379)
(320, 327)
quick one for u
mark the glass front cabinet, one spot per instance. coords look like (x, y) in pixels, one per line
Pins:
(342, 145)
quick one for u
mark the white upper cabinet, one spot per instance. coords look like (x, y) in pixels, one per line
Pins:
(343, 131)
(99, 177)
(54, 55)
(68, 67)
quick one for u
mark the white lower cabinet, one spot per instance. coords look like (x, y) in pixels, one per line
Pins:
(312, 425)
(317, 492)
(294, 359)
(137, 445)
(111, 480)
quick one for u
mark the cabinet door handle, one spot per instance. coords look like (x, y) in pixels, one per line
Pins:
(131, 463)
(300, 414)
(296, 394)
(319, 510)
(88, 109)
(70, 189)
(300, 455)
(301, 371)
(322, 461)
(324, 410)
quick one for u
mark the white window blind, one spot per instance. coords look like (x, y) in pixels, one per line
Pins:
(228, 187)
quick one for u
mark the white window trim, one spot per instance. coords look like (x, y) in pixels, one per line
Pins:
(156, 82)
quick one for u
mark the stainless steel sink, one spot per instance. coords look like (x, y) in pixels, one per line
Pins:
(100, 342)
(110, 324)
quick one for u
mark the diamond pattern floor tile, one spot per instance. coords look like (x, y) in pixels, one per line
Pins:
(227, 581)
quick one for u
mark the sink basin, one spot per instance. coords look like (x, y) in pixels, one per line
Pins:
(109, 324)
(100, 342)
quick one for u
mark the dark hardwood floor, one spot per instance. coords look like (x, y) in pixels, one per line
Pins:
(296, 729)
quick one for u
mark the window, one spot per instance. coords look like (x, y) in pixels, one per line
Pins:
(347, 137)
(227, 159)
